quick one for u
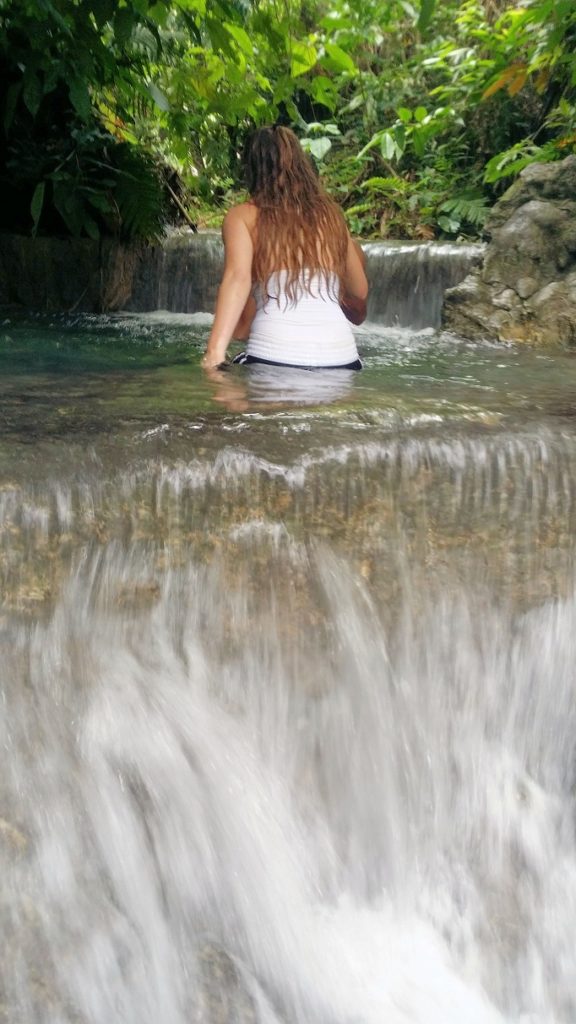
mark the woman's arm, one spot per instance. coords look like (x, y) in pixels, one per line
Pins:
(242, 330)
(355, 284)
(235, 285)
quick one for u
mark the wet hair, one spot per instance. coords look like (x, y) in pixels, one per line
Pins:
(299, 226)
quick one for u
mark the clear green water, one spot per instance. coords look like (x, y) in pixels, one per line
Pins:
(122, 378)
(90, 374)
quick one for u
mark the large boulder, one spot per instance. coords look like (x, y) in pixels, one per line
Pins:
(525, 288)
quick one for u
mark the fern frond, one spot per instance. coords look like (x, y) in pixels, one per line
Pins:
(391, 184)
(471, 208)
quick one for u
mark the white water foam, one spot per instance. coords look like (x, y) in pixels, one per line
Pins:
(382, 832)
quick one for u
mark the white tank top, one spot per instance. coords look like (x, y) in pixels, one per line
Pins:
(312, 331)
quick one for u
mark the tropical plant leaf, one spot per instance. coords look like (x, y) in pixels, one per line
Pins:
(502, 82)
(37, 204)
(378, 184)
(160, 99)
(241, 37)
(80, 97)
(426, 13)
(473, 209)
(303, 57)
(138, 196)
(337, 59)
(389, 146)
(317, 147)
(32, 92)
(323, 90)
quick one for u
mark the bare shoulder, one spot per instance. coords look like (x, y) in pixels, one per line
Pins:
(243, 213)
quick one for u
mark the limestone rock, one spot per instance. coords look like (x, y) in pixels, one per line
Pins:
(525, 289)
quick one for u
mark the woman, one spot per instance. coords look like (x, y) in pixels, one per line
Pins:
(293, 277)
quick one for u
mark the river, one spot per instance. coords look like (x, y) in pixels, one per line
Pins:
(287, 681)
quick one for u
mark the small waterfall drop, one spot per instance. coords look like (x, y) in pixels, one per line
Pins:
(265, 770)
(287, 681)
(407, 279)
(181, 275)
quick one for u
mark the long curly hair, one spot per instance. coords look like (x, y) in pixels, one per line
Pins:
(299, 226)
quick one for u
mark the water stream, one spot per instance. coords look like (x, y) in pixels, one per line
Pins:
(407, 279)
(287, 682)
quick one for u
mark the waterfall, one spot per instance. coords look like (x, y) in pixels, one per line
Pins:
(407, 279)
(262, 771)
(286, 678)
(181, 275)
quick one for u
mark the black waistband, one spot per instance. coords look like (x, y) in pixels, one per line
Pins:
(243, 359)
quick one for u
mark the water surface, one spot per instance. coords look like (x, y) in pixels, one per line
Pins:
(287, 678)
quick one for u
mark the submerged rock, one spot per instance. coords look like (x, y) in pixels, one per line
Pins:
(525, 289)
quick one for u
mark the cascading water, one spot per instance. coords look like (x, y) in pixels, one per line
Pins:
(181, 275)
(407, 279)
(287, 682)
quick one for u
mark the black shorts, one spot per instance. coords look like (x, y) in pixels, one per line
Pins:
(243, 359)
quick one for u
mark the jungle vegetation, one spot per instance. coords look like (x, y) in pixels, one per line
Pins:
(118, 116)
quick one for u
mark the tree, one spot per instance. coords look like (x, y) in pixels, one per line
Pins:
(415, 111)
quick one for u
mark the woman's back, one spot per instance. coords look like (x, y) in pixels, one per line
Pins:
(305, 329)
(291, 246)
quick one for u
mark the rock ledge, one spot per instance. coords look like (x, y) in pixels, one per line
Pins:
(525, 289)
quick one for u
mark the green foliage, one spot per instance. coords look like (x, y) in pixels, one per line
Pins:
(60, 168)
(464, 209)
(453, 102)
(89, 184)
(318, 139)
(416, 113)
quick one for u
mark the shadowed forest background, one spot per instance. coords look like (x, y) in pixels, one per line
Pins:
(120, 117)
